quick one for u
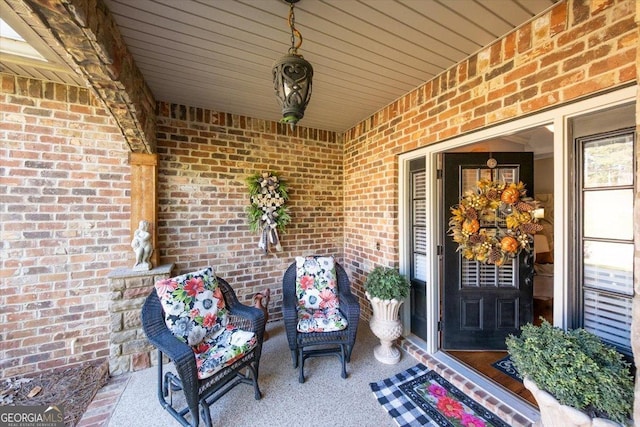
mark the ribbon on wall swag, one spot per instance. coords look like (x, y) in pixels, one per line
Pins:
(267, 212)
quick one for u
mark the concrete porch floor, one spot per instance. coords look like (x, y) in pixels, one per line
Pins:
(130, 399)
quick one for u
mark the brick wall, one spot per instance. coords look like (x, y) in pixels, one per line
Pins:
(576, 49)
(64, 224)
(65, 211)
(204, 159)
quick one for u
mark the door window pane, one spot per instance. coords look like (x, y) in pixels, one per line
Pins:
(469, 178)
(419, 212)
(420, 267)
(609, 266)
(507, 175)
(419, 188)
(475, 274)
(608, 214)
(608, 162)
(420, 240)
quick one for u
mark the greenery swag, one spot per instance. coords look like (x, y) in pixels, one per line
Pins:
(267, 212)
(493, 245)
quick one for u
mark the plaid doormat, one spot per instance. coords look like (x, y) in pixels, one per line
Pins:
(420, 397)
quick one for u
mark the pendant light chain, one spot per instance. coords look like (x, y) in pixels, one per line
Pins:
(294, 31)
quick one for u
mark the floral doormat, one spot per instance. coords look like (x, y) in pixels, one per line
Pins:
(421, 397)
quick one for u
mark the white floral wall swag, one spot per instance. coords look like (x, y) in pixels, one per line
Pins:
(267, 212)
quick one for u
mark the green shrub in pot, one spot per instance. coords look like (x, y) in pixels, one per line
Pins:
(386, 283)
(576, 368)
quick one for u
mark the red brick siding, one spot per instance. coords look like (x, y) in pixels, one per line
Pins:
(576, 49)
(65, 211)
(64, 224)
(204, 159)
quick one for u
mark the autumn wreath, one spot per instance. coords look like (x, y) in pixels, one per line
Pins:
(494, 245)
(267, 212)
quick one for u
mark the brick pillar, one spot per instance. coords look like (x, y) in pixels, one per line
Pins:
(129, 349)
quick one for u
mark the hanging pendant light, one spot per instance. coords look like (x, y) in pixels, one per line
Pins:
(292, 76)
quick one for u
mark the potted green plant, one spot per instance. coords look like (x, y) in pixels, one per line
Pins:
(575, 378)
(386, 289)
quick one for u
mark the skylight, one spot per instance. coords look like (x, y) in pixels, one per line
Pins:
(13, 43)
(8, 32)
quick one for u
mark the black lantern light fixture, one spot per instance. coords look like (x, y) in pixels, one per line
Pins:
(292, 76)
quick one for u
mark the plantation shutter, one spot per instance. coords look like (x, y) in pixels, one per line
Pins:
(419, 224)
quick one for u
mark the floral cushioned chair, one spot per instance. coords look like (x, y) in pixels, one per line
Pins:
(214, 341)
(319, 310)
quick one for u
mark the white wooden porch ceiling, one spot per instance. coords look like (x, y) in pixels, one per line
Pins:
(218, 54)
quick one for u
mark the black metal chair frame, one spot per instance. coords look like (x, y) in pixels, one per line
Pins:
(305, 345)
(200, 394)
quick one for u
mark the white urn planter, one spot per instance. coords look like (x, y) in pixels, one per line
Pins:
(385, 324)
(553, 414)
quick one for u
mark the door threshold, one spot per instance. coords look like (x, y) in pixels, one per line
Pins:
(511, 408)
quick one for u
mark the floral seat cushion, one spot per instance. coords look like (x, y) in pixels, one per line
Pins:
(317, 292)
(215, 353)
(193, 305)
(196, 314)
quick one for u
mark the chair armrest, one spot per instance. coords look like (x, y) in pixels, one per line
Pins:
(245, 317)
(161, 337)
(349, 304)
(350, 307)
(249, 318)
(349, 299)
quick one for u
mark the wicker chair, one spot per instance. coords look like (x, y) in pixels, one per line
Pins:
(200, 394)
(305, 344)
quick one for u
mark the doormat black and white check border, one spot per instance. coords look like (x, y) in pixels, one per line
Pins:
(396, 403)
(403, 397)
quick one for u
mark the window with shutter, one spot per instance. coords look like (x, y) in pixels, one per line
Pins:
(605, 252)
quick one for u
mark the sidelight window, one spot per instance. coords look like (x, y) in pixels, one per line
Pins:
(606, 191)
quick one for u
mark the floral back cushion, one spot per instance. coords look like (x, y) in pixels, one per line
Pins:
(317, 292)
(193, 305)
(316, 283)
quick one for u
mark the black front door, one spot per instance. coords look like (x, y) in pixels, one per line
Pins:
(481, 303)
